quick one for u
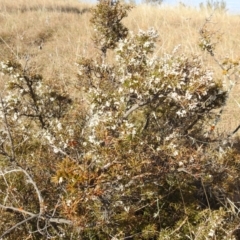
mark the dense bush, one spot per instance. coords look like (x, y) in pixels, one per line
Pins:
(137, 159)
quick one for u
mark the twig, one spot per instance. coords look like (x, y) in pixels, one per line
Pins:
(133, 108)
(17, 210)
(51, 219)
(30, 180)
(18, 224)
(177, 229)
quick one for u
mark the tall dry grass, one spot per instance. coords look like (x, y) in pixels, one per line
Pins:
(52, 34)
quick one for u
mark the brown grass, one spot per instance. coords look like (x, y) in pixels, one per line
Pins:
(62, 30)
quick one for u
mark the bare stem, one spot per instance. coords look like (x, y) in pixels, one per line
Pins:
(30, 180)
(16, 225)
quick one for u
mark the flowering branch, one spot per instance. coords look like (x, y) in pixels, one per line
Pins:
(10, 138)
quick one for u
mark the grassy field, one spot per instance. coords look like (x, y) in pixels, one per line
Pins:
(53, 34)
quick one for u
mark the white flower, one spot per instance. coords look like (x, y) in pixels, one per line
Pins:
(15, 116)
(192, 105)
(131, 90)
(70, 132)
(147, 44)
(59, 126)
(68, 202)
(180, 164)
(172, 146)
(55, 150)
(113, 127)
(91, 139)
(122, 99)
(50, 138)
(188, 95)
(175, 153)
(3, 65)
(134, 132)
(171, 136)
(181, 113)
(173, 95)
(94, 121)
(211, 233)
(60, 180)
(120, 89)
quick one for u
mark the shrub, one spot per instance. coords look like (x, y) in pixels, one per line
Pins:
(138, 160)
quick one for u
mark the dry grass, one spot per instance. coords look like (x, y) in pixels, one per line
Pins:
(61, 29)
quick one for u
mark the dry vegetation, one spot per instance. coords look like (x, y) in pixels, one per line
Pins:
(84, 156)
(61, 29)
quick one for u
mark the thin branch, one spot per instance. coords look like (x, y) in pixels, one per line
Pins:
(30, 180)
(18, 224)
(180, 226)
(133, 108)
(17, 210)
(51, 220)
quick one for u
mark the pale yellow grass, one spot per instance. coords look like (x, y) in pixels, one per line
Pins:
(62, 30)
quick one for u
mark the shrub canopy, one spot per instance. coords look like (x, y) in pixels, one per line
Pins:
(135, 160)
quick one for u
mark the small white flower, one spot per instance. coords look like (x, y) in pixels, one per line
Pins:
(3, 65)
(134, 132)
(120, 89)
(175, 153)
(173, 95)
(180, 164)
(113, 127)
(68, 202)
(55, 150)
(15, 116)
(60, 180)
(71, 132)
(211, 233)
(191, 160)
(188, 95)
(59, 126)
(181, 113)
(147, 44)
